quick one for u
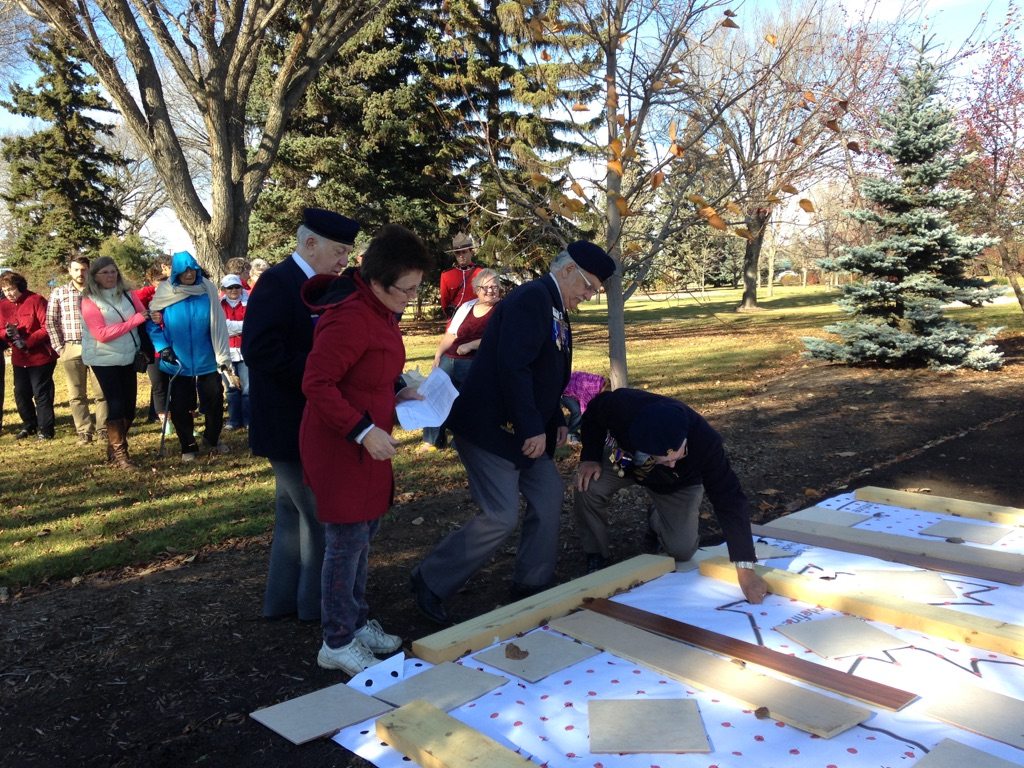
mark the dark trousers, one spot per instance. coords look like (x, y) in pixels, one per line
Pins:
(120, 385)
(158, 389)
(183, 402)
(3, 384)
(297, 549)
(33, 394)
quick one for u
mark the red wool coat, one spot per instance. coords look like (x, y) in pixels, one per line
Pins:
(350, 375)
(28, 312)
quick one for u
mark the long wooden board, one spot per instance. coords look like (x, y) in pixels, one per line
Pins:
(942, 550)
(800, 707)
(976, 631)
(531, 612)
(991, 714)
(798, 668)
(952, 754)
(942, 505)
(433, 739)
(853, 545)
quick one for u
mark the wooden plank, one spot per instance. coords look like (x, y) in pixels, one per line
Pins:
(768, 696)
(645, 726)
(798, 668)
(856, 547)
(941, 550)
(535, 611)
(839, 636)
(982, 711)
(976, 631)
(446, 686)
(952, 754)
(433, 739)
(942, 505)
(972, 532)
(320, 713)
(536, 655)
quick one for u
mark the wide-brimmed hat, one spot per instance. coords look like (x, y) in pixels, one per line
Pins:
(461, 242)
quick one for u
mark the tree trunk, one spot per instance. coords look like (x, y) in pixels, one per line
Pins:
(752, 255)
(618, 369)
(1012, 270)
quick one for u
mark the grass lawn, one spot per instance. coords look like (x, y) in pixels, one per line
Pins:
(65, 513)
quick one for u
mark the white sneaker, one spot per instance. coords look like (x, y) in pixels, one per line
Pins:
(373, 636)
(351, 659)
(188, 456)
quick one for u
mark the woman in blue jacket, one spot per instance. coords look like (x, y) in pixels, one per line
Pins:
(189, 330)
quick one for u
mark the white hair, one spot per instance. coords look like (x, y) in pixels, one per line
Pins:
(561, 260)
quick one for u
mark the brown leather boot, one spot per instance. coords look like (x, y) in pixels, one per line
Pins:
(117, 436)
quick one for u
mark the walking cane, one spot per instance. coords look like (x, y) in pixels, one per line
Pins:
(167, 411)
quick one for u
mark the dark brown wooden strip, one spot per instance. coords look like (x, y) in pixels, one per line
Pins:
(830, 679)
(907, 558)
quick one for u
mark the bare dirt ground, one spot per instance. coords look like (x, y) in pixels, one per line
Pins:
(161, 666)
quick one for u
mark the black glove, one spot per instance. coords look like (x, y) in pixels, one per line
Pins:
(168, 354)
(15, 336)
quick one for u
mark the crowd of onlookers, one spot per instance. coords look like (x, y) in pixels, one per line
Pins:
(177, 328)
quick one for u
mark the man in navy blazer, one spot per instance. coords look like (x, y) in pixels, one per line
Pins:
(277, 335)
(507, 422)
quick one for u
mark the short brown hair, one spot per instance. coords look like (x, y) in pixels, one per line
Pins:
(393, 251)
(78, 259)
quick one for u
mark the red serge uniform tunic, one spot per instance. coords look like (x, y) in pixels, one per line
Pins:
(349, 382)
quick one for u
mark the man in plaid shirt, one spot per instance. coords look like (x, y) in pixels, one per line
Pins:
(64, 324)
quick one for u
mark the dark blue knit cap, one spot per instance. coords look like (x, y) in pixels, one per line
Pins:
(659, 428)
(331, 225)
(592, 258)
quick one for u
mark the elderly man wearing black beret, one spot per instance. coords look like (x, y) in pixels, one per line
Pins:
(635, 437)
(277, 336)
(507, 422)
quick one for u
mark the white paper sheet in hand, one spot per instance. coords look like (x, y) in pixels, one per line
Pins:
(439, 393)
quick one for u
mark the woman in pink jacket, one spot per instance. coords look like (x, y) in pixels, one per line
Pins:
(110, 341)
(351, 385)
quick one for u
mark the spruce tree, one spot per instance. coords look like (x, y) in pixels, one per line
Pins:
(61, 193)
(918, 260)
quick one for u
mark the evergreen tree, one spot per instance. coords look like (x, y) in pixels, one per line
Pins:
(61, 193)
(367, 139)
(918, 260)
(505, 98)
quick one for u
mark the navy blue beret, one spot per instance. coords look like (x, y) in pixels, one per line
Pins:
(592, 258)
(659, 428)
(331, 225)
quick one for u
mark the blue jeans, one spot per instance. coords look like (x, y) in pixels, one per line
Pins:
(238, 398)
(457, 370)
(343, 605)
(297, 549)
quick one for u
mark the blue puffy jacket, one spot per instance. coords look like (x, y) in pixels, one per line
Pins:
(186, 326)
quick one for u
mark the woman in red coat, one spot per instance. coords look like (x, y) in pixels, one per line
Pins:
(24, 330)
(345, 439)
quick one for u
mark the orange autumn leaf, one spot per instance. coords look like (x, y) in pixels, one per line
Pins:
(657, 85)
(545, 56)
(622, 205)
(809, 95)
(730, 24)
(729, 12)
(615, 166)
(831, 124)
(798, 141)
(789, 188)
(733, 208)
(541, 211)
(576, 206)
(675, 150)
(615, 146)
(698, 200)
(807, 205)
(656, 179)
(538, 179)
(672, 131)
(577, 189)
(743, 232)
(718, 222)
(844, 105)
(771, 39)
(853, 146)
(579, 107)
